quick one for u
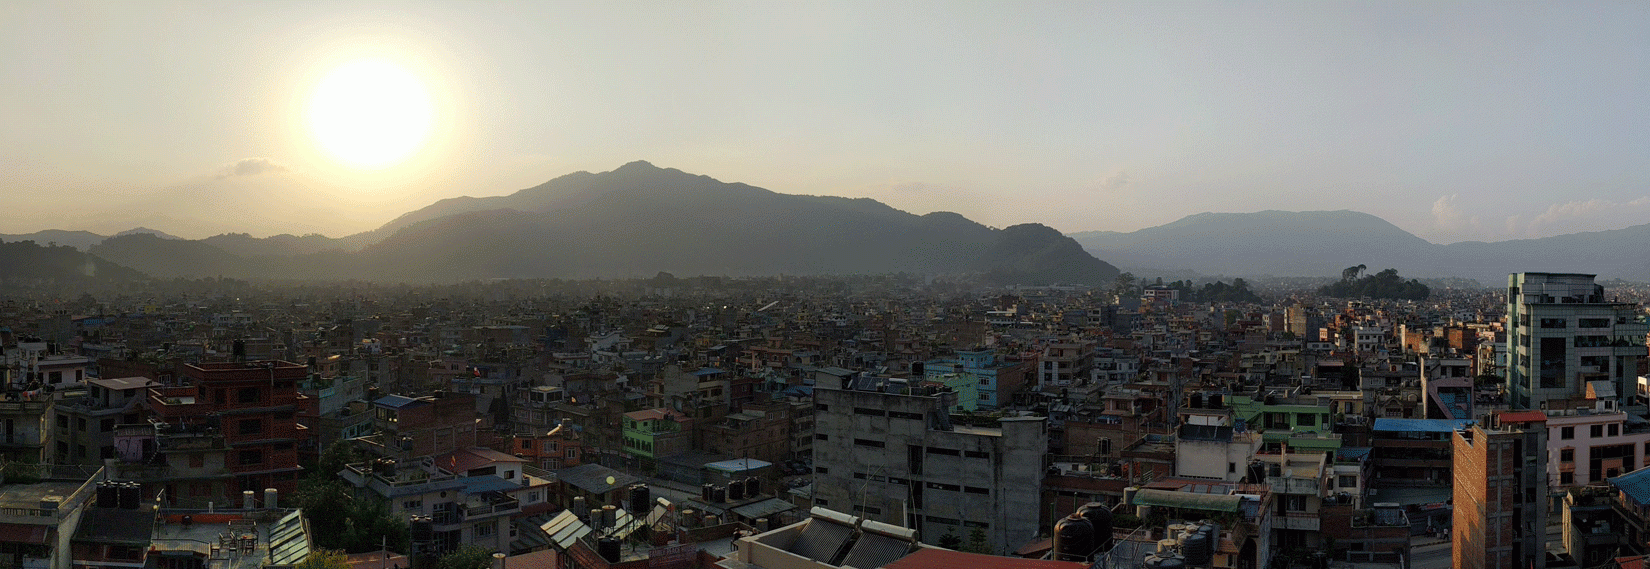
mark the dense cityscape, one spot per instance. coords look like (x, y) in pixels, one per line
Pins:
(871, 421)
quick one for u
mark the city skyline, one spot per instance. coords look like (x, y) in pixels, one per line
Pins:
(1456, 122)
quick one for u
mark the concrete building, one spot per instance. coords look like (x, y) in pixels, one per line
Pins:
(84, 427)
(1500, 492)
(243, 414)
(898, 458)
(1562, 332)
(1587, 442)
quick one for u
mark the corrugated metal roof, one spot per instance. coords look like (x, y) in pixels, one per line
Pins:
(1635, 484)
(1392, 425)
(394, 401)
(763, 509)
(593, 478)
(738, 465)
(1188, 500)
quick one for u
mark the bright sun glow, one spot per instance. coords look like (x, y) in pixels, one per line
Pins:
(370, 114)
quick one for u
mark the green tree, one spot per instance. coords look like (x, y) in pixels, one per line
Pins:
(951, 541)
(466, 557)
(977, 543)
(323, 559)
(1123, 284)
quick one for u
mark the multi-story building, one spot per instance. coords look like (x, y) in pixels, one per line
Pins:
(995, 381)
(1588, 441)
(1065, 364)
(244, 413)
(1500, 492)
(759, 431)
(1562, 332)
(653, 433)
(423, 426)
(84, 427)
(898, 458)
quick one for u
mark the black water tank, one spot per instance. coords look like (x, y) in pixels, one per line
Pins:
(1257, 473)
(917, 369)
(1216, 400)
(736, 490)
(641, 500)
(1197, 400)
(1195, 546)
(718, 494)
(130, 494)
(753, 487)
(707, 491)
(1073, 538)
(423, 528)
(108, 496)
(1098, 516)
(608, 548)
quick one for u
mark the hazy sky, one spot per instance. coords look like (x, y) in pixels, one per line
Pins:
(1454, 120)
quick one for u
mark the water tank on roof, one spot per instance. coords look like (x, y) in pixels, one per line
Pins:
(610, 516)
(1195, 545)
(736, 490)
(690, 519)
(130, 495)
(753, 487)
(1164, 561)
(718, 494)
(108, 495)
(1216, 401)
(1073, 538)
(1100, 517)
(608, 548)
(1197, 401)
(641, 500)
(579, 507)
(706, 492)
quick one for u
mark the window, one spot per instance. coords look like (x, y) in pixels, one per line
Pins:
(904, 415)
(821, 470)
(869, 443)
(1566, 477)
(197, 461)
(821, 437)
(251, 457)
(1593, 323)
(873, 510)
(248, 395)
(944, 451)
(107, 425)
(62, 422)
(869, 411)
(1348, 481)
(1567, 455)
(80, 424)
(975, 490)
(821, 502)
(1568, 433)
(412, 504)
(1103, 447)
(821, 407)
(1597, 431)
(1552, 322)
(1306, 420)
(485, 530)
(976, 454)
(1615, 429)
(252, 426)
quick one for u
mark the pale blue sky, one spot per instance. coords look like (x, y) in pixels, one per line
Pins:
(1454, 120)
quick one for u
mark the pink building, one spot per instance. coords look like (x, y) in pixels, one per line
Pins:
(1589, 440)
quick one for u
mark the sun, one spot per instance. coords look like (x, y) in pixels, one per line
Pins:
(370, 114)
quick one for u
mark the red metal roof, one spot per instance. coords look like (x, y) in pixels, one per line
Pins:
(934, 558)
(24, 533)
(1521, 416)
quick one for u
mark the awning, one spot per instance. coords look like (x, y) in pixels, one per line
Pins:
(24, 533)
(1188, 500)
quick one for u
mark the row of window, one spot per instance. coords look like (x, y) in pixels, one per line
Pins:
(1595, 431)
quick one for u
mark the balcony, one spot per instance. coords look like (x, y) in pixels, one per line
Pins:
(1297, 521)
(1295, 485)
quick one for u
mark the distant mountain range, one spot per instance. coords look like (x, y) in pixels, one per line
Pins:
(1321, 243)
(637, 220)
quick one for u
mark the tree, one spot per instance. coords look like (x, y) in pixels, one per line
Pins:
(977, 543)
(951, 541)
(467, 557)
(323, 559)
(1123, 284)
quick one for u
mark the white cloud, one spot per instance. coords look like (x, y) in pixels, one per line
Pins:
(1451, 219)
(251, 167)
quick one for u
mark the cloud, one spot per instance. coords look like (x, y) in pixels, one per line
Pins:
(252, 167)
(1116, 181)
(1582, 215)
(1450, 217)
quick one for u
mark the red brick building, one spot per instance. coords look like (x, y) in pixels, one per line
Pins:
(249, 409)
(1500, 492)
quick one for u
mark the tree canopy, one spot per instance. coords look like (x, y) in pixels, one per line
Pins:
(1385, 284)
(1217, 291)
